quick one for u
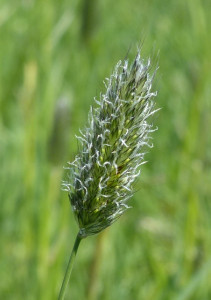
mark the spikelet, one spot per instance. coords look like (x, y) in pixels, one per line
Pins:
(112, 148)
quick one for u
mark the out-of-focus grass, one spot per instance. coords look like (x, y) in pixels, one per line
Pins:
(53, 59)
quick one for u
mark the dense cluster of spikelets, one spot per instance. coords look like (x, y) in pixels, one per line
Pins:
(112, 148)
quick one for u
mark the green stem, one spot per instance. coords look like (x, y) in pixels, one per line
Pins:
(69, 267)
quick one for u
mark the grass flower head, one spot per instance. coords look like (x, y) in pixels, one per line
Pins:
(111, 149)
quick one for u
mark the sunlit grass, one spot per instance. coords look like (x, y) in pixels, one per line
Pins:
(49, 75)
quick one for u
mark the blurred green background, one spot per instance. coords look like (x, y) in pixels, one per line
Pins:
(54, 56)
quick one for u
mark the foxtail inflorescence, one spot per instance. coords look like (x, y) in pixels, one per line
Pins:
(111, 150)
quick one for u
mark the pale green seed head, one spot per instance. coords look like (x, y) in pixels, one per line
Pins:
(100, 180)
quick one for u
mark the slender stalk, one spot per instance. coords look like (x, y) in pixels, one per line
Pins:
(69, 267)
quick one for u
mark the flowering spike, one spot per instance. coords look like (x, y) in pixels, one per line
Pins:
(112, 148)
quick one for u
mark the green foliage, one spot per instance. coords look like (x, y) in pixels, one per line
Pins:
(53, 59)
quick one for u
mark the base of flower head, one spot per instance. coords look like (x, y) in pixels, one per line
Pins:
(82, 233)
